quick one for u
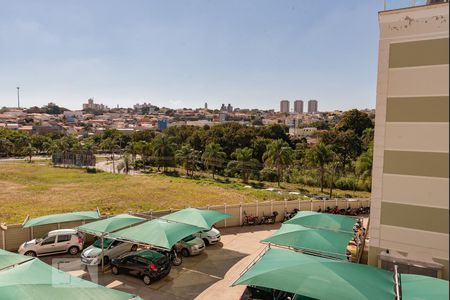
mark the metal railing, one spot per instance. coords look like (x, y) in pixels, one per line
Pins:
(398, 4)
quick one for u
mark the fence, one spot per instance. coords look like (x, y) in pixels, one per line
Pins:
(15, 235)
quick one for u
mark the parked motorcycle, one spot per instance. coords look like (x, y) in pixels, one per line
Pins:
(269, 219)
(250, 220)
(172, 255)
(290, 215)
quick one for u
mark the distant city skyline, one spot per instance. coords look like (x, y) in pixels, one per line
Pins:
(185, 53)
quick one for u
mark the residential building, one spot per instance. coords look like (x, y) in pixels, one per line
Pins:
(313, 106)
(298, 106)
(91, 105)
(409, 219)
(284, 106)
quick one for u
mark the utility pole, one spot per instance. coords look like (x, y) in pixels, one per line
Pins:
(18, 97)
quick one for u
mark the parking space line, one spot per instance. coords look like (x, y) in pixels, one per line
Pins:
(199, 272)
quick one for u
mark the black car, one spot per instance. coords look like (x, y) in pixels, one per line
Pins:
(146, 264)
(261, 293)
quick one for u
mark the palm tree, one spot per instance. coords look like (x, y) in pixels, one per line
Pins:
(213, 157)
(244, 162)
(111, 146)
(334, 170)
(188, 158)
(320, 156)
(124, 164)
(279, 156)
(163, 150)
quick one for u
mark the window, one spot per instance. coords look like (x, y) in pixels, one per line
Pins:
(142, 261)
(48, 241)
(64, 238)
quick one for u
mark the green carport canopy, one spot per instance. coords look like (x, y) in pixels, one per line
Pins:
(98, 228)
(197, 217)
(36, 280)
(318, 277)
(416, 287)
(323, 221)
(158, 233)
(325, 242)
(60, 218)
(8, 259)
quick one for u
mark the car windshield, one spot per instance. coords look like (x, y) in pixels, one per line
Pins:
(188, 238)
(106, 243)
(42, 238)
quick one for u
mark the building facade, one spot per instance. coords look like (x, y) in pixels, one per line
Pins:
(298, 106)
(313, 106)
(409, 220)
(284, 106)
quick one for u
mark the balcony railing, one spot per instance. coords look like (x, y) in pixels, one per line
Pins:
(397, 4)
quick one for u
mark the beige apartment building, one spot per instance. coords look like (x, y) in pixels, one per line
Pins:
(409, 219)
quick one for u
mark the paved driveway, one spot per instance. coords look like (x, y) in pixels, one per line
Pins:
(207, 276)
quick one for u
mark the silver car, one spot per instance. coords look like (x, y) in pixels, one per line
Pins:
(54, 242)
(190, 245)
(92, 255)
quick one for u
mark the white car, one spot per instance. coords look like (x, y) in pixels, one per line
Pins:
(92, 255)
(210, 237)
(56, 241)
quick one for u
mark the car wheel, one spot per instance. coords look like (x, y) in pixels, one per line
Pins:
(30, 253)
(105, 260)
(134, 247)
(206, 241)
(115, 270)
(185, 252)
(74, 250)
(147, 280)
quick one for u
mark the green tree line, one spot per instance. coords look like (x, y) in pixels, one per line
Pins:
(342, 158)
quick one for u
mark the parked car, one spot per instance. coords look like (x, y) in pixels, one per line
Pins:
(210, 237)
(261, 293)
(92, 255)
(190, 245)
(146, 264)
(54, 242)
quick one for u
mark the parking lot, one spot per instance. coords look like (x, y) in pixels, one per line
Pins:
(206, 276)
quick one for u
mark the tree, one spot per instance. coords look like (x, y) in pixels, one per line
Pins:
(279, 156)
(125, 163)
(346, 145)
(6, 147)
(354, 120)
(213, 157)
(110, 145)
(367, 138)
(29, 151)
(259, 146)
(320, 156)
(334, 171)
(244, 162)
(364, 164)
(188, 158)
(163, 151)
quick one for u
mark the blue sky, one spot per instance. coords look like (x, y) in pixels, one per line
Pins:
(250, 53)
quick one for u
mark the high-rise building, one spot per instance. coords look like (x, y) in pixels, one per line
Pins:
(284, 106)
(313, 106)
(409, 218)
(298, 106)
(229, 108)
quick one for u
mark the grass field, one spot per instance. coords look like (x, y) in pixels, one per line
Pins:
(38, 189)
